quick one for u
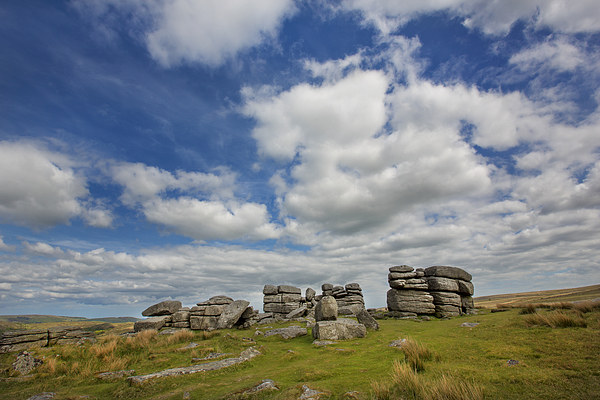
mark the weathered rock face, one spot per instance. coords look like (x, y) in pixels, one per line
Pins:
(367, 320)
(163, 308)
(281, 300)
(151, 323)
(349, 298)
(25, 363)
(326, 309)
(340, 329)
(440, 290)
(231, 314)
(21, 340)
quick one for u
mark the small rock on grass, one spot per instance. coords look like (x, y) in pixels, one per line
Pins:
(115, 374)
(309, 394)
(25, 363)
(318, 342)
(43, 396)
(469, 324)
(511, 363)
(397, 343)
(266, 384)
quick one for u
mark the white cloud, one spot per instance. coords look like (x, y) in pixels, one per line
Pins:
(195, 204)
(351, 175)
(4, 246)
(491, 17)
(210, 220)
(211, 31)
(39, 188)
(558, 54)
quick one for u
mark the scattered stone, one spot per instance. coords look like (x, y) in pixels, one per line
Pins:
(266, 384)
(105, 376)
(397, 343)
(511, 363)
(309, 394)
(210, 366)
(211, 356)
(326, 309)
(288, 333)
(340, 329)
(190, 346)
(367, 320)
(186, 395)
(25, 363)
(469, 324)
(321, 343)
(43, 396)
(167, 307)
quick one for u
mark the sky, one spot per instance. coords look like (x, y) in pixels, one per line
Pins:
(179, 149)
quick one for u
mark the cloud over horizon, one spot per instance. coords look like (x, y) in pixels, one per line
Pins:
(211, 148)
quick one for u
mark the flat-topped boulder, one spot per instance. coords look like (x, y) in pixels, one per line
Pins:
(167, 307)
(448, 272)
(341, 329)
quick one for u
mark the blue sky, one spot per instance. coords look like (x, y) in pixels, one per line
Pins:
(154, 149)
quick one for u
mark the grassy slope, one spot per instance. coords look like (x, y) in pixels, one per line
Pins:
(553, 363)
(546, 296)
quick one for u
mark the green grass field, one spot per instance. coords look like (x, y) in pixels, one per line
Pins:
(553, 363)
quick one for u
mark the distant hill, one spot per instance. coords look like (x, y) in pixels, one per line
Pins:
(544, 296)
(42, 319)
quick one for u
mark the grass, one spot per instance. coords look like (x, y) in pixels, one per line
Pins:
(441, 360)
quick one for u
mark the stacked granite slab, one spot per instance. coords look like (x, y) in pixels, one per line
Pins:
(26, 339)
(218, 312)
(440, 290)
(349, 298)
(282, 300)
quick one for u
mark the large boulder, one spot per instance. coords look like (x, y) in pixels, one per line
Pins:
(465, 288)
(231, 314)
(448, 272)
(412, 301)
(151, 323)
(365, 318)
(167, 307)
(326, 309)
(340, 329)
(310, 294)
(203, 323)
(442, 284)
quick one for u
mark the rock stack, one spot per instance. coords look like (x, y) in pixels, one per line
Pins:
(349, 298)
(329, 327)
(218, 312)
(440, 290)
(282, 300)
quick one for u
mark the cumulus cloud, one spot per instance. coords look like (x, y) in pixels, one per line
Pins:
(491, 17)
(40, 188)
(199, 205)
(558, 54)
(187, 32)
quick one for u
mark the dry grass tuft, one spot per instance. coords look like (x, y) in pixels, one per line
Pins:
(181, 336)
(555, 319)
(406, 377)
(448, 388)
(416, 354)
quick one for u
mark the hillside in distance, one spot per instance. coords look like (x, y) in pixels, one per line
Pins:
(544, 296)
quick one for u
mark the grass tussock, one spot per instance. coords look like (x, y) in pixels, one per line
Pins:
(406, 383)
(181, 336)
(448, 388)
(416, 354)
(555, 319)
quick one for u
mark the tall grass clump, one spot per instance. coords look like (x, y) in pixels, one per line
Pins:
(181, 336)
(529, 309)
(555, 319)
(416, 354)
(449, 388)
(586, 306)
